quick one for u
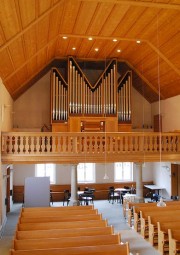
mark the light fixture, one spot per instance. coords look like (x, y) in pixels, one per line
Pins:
(114, 40)
(106, 177)
(138, 41)
(90, 38)
(74, 48)
(64, 37)
(118, 50)
(96, 49)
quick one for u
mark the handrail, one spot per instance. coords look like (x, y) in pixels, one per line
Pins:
(90, 146)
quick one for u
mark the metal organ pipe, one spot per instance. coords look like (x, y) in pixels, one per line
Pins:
(124, 99)
(79, 97)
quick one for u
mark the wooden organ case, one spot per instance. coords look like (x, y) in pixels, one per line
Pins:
(77, 105)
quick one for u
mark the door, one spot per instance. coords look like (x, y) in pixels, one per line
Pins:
(157, 123)
(8, 191)
(175, 179)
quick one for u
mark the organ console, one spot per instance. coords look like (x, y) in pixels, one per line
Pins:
(108, 97)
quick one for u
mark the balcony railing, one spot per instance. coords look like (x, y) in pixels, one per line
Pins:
(89, 147)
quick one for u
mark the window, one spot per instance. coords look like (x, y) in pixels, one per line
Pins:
(123, 171)
(86, 172)
(43, 170)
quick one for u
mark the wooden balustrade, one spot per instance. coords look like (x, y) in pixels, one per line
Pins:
(89, 147)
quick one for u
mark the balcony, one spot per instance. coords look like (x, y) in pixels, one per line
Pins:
(31, 147)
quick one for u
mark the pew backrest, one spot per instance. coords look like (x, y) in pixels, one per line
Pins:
(153, 219)
(83, 250)
(59, 208)
(57, 233)
(164, 226)
(49, 243)
(61, 225)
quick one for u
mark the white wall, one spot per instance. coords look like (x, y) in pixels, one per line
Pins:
(169, 109)
(141, 111)
(32, 109)
(63, 173)
(162, 178)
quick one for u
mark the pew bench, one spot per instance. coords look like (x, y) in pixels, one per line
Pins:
(152, 224)
(135, 208)
(157, 211)
(64, 242)
(83, 250)
(61, 225)
(64, 218)
(57, 233)
(163, 239)
(174, 241)
(57, 213)
(144, 207)
(58, 208)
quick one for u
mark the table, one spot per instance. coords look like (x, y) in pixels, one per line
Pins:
(122, 191)
(154, 188)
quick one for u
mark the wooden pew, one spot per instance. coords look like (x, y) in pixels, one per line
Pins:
(135, 208)
(62, 218)
(174, 241)
(57, 213)
(83, 250)
(57, 233)
(157, 211)
(61, 225)
(59, 208)
(63, 242)
(153, 229)
(163, 240)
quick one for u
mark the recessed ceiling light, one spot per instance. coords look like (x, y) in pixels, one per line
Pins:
(64, 37)
(118, 50)
(90, 38)
(74, 48)
(96, 49)
(138, 41)
(114, 40)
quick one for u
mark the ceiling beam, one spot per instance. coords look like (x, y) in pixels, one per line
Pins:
(161, 55)
(139, 3)
(145, 79)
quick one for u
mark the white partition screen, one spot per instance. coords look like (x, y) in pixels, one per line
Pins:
(37, 192)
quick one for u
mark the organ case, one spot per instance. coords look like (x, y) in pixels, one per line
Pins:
(78, 101)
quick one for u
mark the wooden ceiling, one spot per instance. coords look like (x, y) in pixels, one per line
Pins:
(31, 38)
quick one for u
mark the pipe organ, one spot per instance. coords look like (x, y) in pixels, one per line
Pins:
(77, 97)
(124, 98)
(88, 99)
(59, 95)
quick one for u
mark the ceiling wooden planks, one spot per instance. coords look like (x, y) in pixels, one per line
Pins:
(31, 38)
(27, 12)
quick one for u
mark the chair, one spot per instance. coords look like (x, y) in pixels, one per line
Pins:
(124, 193)
(87, 197)
(112, 195)
(175, 198)
(51, 196)
(67, 196)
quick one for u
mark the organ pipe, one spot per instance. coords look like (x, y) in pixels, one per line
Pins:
(124, 98)
(78, 96)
